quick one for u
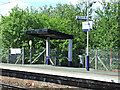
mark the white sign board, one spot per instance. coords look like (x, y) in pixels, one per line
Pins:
(86, 26)
(81, 17)
(15, 51)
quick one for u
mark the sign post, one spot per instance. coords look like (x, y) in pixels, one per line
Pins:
(87, 26)
(87, 56)
(30, 43)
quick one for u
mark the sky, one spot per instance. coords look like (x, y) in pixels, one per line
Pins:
(6, 5)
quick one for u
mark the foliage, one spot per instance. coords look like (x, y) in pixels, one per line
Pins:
(61, 18)
(106, 31)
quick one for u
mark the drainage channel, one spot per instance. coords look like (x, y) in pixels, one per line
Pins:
(62, 80)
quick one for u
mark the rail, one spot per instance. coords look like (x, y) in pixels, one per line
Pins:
(7, 86)
(63, 80)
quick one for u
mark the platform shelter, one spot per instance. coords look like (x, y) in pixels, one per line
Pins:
(49, 34)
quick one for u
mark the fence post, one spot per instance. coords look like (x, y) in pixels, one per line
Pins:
(8, 56)
(70, 52)
(75, 60)
(23, 55)
(96, 60)
(57, 59)
(110, 59)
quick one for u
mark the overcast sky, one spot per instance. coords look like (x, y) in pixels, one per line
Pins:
(6, 5)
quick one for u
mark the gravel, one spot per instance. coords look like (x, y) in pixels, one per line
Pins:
(25, 83)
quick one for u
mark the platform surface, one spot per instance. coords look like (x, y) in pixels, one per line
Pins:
(107, 76)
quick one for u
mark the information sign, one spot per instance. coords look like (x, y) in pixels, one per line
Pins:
(86, 26)
(81, 17)
(15, 51)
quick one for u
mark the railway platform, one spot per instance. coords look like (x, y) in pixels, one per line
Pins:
(72, 74)
(107, 76)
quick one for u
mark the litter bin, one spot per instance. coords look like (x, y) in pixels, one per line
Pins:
(82, 61)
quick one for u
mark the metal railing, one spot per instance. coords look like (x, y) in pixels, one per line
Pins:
(100, 59)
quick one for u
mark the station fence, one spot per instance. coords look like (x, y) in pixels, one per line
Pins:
(22, 58)
(99, 59)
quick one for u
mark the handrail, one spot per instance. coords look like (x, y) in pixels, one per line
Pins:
(18, 59)
(38, 55)
(115, 59)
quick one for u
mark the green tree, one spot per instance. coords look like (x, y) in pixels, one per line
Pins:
(106, 30)
(61, 18)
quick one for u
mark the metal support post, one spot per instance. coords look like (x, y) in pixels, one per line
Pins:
(87, 56)
(96, 60)
(57, 59)
(47, 50)
(23, 55)
(30, 43)
(70, 52)
(30, 55)
(110, 59)
(8, 56)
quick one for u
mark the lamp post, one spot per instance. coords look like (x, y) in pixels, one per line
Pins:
(87, 56)
(88, 27)
(30, 43)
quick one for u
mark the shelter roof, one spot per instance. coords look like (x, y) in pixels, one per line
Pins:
(45, 33)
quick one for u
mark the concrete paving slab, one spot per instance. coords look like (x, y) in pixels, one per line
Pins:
(107, 76)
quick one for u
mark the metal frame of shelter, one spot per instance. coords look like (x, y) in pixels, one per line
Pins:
(49, 34)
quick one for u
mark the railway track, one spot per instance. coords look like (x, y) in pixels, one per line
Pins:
(63, 80)
(10, 87)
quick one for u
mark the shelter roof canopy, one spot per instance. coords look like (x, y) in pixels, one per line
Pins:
(45, 33)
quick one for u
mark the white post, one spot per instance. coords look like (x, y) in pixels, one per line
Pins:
(88, 30)
(70, 52)
(87, 56)
(47, 50)
(30, 55)
(30, 43)
(87, 43)
(23, 55)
